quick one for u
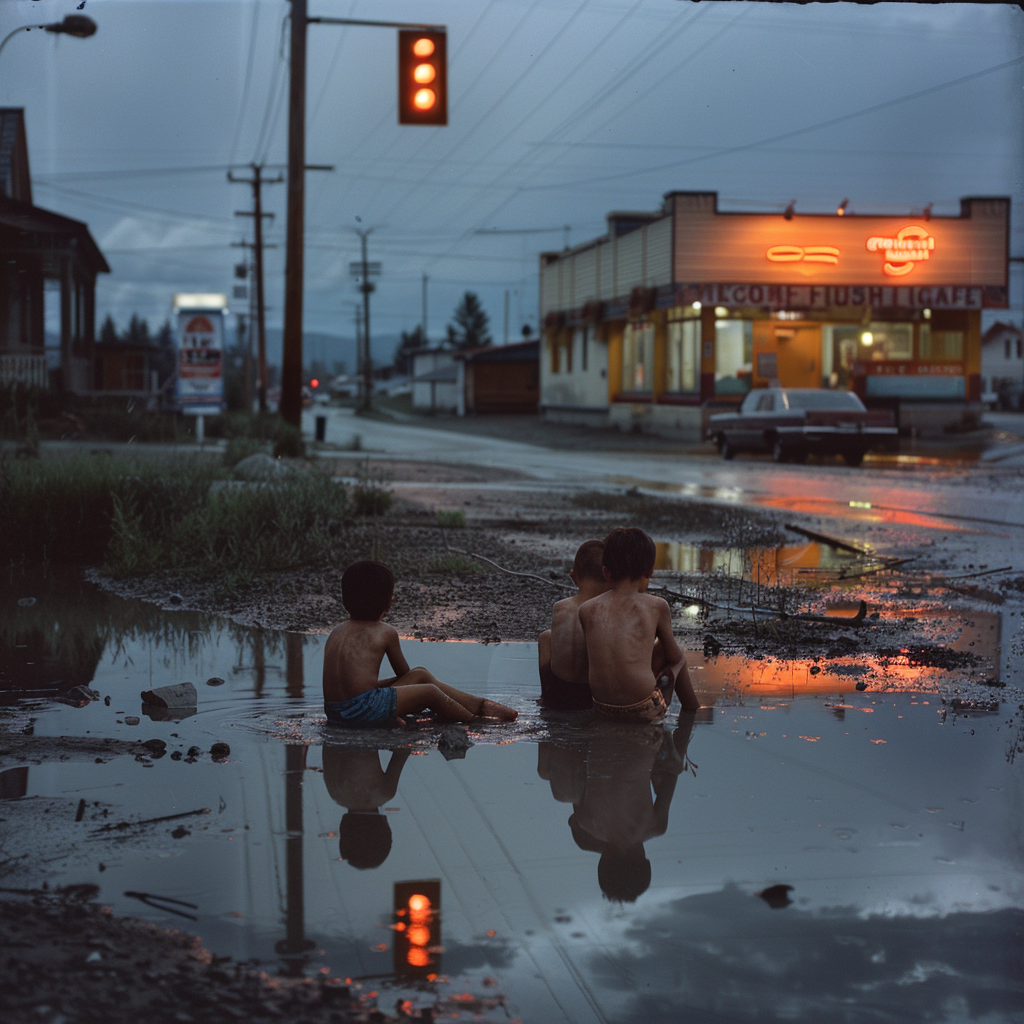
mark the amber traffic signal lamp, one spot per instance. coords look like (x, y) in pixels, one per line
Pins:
(422, 78)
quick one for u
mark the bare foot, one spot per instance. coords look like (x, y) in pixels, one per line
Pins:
(492, 709)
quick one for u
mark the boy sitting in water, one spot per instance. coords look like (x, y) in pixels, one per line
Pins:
(635, 661)
(353, 695)
(564, 673)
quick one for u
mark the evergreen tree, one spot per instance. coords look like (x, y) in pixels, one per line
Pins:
(138, 331)
(468, 328)
(166, 360)
(411, 343)
(108, 332)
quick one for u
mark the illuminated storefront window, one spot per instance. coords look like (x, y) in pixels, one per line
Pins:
(638, 358)
(682, 373)
(734, 356)
(940, 344)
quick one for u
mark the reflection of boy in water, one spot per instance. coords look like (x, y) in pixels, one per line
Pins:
(356, 781)
(609, 785)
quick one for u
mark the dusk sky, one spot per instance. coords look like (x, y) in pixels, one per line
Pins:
(559, 111)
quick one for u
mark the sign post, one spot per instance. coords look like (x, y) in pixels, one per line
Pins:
(200, 330)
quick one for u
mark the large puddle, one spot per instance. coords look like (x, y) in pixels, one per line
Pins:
(554, 871)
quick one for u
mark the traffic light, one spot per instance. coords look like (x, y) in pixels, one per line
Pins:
(422, 77)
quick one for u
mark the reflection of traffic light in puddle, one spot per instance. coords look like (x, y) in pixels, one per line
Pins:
(417, 925)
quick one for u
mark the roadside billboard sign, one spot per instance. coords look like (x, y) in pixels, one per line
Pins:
(200, 359)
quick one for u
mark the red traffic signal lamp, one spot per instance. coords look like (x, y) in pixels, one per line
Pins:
(422, 77)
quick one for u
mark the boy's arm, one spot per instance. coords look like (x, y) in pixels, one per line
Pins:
(394, 652)
(675, 658)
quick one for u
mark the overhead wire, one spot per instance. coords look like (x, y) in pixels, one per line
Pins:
(783, 136)
(243, 105)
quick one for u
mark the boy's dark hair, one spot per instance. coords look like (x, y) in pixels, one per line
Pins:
(364, 840)
(624, 874)
(587, 563)
(628, 554)
(366, 590)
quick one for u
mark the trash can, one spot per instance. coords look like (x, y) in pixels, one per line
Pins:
(321, 428)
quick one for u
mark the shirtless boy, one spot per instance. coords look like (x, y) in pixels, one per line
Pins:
(353, 695)
(564, 673)
(630, 678)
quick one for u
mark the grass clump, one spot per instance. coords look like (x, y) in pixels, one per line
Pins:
(371, 495)
(133, 517)
(450, 520)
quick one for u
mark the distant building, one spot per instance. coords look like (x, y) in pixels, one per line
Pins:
(435, 380)
(40, 249)
(499, 378)
(678, 310)
(1002, 365)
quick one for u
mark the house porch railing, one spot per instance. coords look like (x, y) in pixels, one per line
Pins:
(24, 369)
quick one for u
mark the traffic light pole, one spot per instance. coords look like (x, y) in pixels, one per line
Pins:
(291, 360)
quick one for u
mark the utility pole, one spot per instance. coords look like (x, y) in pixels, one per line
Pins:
(257, 181)
(423, 329)
(291, 359)
(366, 286)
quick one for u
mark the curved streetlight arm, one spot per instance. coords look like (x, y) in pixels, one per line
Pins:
(77, 25)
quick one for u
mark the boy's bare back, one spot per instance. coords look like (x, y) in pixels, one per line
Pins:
(568, 645)
(353, 655)
(620, 628)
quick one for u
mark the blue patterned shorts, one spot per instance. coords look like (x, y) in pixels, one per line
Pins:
(372, 707)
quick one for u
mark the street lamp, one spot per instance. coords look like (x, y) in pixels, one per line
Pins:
(77, 25)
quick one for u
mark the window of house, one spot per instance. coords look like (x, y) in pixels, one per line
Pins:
(683, 356)
(555, 355)
(1007, 347)
(638, 358)
(734, 356)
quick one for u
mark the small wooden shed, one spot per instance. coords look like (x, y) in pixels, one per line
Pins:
(500, 378)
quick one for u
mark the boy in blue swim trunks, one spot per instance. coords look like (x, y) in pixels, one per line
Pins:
(353, 695)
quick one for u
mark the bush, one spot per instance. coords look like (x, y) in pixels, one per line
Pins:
(239, 448)
(288, 442)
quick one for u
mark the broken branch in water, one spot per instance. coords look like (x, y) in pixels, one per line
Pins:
(149, 821)
(511, 572)
(824, 538)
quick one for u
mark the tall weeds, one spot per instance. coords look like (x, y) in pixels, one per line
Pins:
(133, 517)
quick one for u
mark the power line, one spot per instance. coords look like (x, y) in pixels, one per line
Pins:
(254, 21)
(829, 123)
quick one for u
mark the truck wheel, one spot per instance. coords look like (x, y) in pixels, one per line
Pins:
(779, 451)
(727, 450)
(853, 458)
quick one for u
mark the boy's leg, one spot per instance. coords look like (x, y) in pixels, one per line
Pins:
(477, 706)
(413, 697)
(687, 698)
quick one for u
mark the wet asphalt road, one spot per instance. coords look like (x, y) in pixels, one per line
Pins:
(934, 495)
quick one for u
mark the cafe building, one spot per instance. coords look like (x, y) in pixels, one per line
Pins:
(678, 313)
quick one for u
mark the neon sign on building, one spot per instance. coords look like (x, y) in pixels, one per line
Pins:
(805, 253)
(910, 246)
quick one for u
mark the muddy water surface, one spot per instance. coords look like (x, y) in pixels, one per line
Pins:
(557, 870)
